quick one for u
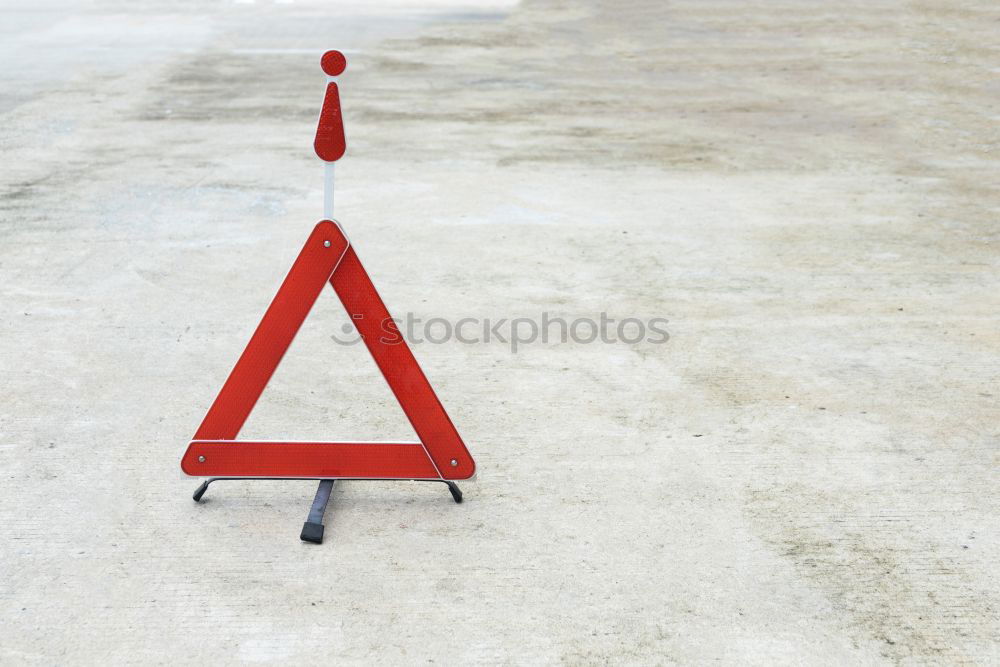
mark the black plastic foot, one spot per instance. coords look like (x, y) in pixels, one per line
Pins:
(312, 529)
(200, 491)
(312, 532)
(456, 492)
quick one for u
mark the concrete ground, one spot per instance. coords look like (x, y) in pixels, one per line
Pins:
(805, 472)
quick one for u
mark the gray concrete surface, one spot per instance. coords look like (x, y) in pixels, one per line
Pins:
(805, 473)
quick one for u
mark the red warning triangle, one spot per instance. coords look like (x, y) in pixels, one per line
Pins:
(214, 451)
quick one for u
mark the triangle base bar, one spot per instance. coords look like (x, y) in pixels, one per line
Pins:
(327, 460)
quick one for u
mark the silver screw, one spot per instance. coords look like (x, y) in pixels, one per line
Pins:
(326, 244)
(454, 463)
(201, 459)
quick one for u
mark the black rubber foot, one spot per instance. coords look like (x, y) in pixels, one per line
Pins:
(456, 492)
(312, 532)
(200, 491)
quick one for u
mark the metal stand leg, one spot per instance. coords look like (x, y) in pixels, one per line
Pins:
(456, 492)
(312, 529)
(200, 491)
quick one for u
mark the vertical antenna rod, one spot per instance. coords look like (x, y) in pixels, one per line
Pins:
(330, 144)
